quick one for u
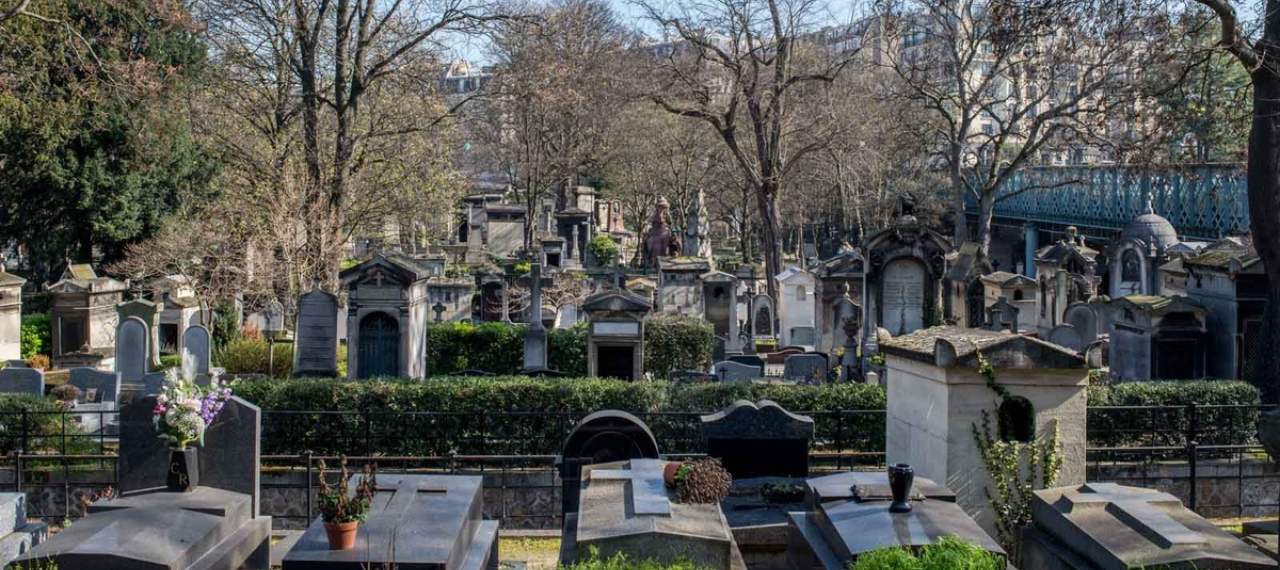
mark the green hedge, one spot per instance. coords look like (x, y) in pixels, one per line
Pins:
(467, 412)
(674, 343)
(36, 335)
(49, 429)
(1169, 427)
(251, 356)
(499, 348)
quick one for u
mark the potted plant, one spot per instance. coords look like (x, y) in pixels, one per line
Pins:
(669, 472)
(183, 411)
(342, 512)
(67, 395)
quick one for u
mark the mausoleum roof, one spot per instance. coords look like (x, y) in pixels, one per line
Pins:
(1002, 348)
(1007, 279)
(7, 278)
(1221, 258)
(1159, 303)
(1151, 228)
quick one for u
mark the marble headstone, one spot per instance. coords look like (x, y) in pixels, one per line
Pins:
(730, 371)
(132, 346)
(811, 368)
(414, 521)
(316, 349)
(22, 381)
(1106, 526)
(196, 342)
(758, 440)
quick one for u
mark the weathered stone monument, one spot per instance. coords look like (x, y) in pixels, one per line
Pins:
(797, 307)
(133, 347)
(197, 343)
(615, 334)
(762, 319)
(841, 283)
(83, 307)
(386, 317)
(848, 514)
(937, 397)
(535, 337)
(680, 290)
(660, 241)
(414, 521)
(148, 313)
(730, 371)
(1105, 526)
(602, 437)
(315, 349)
(14, 380)
(625, 507)
(1157, 337)
(758, 440)
(720, 308)
(10, 314)
(214, 527)
(905, 264)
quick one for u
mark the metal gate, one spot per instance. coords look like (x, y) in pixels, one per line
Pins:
(379, 346)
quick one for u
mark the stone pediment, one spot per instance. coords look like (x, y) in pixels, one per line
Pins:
(396, 268)
(717, 277)
(98, 285)
(616, 301)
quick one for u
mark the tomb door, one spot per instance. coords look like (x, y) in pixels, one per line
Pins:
(903, 296)
(379, 346)
(71, 337)
(1250, 352)
(975, 304)
(615, 362)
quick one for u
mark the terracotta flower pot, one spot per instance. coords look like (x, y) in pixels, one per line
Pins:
(669, 472)
(342, 536)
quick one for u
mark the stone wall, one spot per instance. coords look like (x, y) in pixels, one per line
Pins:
(1224, 488)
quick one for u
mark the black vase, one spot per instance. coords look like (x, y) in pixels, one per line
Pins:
(901, 476)
(184, 470)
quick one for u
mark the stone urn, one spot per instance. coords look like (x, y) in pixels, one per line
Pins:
(901, 476)
(1269, 433)
(184, 470)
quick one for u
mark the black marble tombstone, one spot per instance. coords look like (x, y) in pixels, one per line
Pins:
(602, 437)
(748, 359)
(416, 522)
(759, 440)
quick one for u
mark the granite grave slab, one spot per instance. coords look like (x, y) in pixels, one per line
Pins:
(22, 381)
(416, 522)
(757, 440)
(602, 437)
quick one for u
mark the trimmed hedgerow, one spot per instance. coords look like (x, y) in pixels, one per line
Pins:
(487, 415)
(1226, 413)
(674, 343)
(498, 348)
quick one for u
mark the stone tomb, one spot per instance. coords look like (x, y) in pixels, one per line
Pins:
(197, 342)
(809, 368)
(10, 314)
(615, 334)
(847, 514)
(386, 317)
(416, 522)
(215, 527)
(1105, 526)
(602, 437)
(759, 440)
(625, 507)
(316, 349)
(133, 342)
(15, 380)
(730, 371)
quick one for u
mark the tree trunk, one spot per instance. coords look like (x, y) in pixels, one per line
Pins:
(961, 231)
(770, 238)
(1264, 210)
(986, 211)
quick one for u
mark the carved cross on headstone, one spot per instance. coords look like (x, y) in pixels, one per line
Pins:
(648, 491)
(404, 495)
(377, 277)
(1003, 315)
(1138, 509)
(439, 310)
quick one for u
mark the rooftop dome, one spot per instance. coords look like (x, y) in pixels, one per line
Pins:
(1151, 228)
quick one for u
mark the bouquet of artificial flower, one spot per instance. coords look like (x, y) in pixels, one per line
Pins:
(184, 409)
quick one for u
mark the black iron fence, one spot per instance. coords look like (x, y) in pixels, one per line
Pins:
(1207, 455)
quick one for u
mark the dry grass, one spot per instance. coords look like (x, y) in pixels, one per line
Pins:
(538, 553)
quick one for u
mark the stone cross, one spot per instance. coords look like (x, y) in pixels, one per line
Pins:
(648, 491)
(404, 495)
(1137, 509)
(535, 297)
(439, 310)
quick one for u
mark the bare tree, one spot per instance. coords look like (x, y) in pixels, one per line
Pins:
(550, 105)
(1010, 82)
(740, 66)
(1255, 53)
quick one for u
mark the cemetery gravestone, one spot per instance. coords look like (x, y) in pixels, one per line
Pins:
(1106, 526)
(1067, 337)
(316, 349)
(762, 318)
(196, 342)
(847, 514)
(758, 440)
(625, 508)
(132, 346)
(22, 381)
(903, 297)
(811, 368)
(96, 386)
(16, 534)
(214, 527)
(1002, 316)
(414, 521)
(730, 371)
(748, 359)
(609, 435)
(152, 384)
(1085, 320)
(535, 336)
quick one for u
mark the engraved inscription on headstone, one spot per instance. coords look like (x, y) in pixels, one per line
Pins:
(903, 296)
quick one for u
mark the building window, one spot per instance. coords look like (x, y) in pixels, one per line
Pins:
(1017, 419)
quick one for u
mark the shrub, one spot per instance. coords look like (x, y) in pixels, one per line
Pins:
(39, 361)
(36, 335)
(949, 553)
(50, 428)
(499, 348)
(1236, 424)
(168, 361)
(249, 356)
(225, 323)
(620, 561)
(603, 249)
(676, 343)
